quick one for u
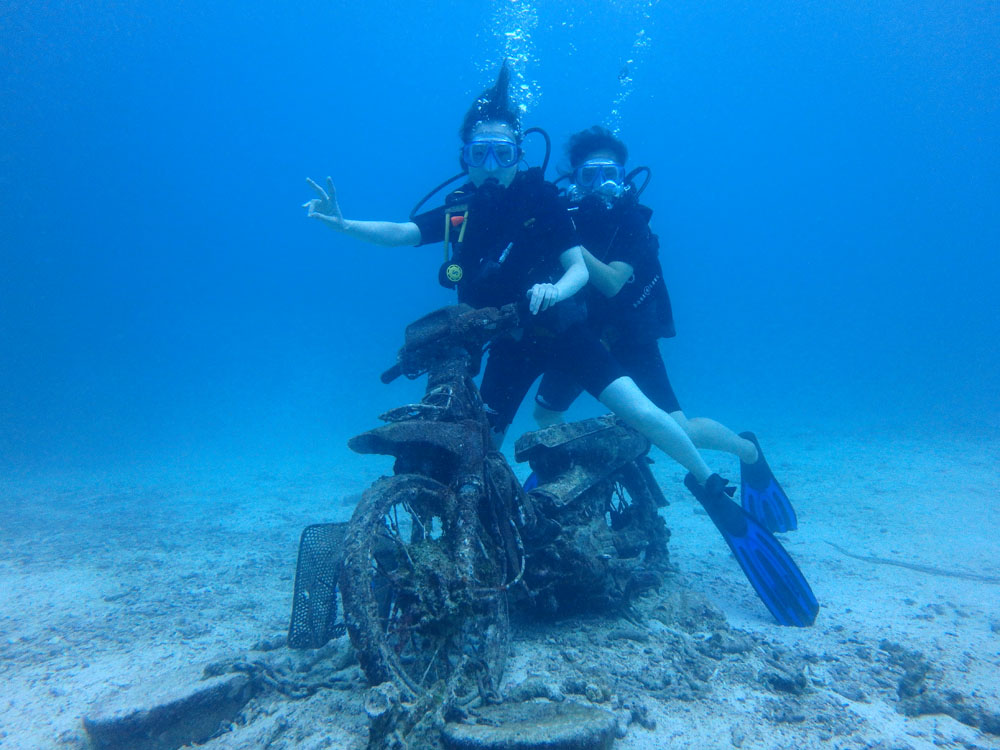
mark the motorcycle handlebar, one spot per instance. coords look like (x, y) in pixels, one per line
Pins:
(468, 326)
(392, 373)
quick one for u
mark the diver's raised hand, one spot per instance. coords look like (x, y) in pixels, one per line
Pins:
(386, 233)
(325, 207)
(542, 297)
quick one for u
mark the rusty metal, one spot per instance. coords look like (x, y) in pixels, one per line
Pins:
(432, 553)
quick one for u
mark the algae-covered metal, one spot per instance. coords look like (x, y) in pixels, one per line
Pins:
(434, 554)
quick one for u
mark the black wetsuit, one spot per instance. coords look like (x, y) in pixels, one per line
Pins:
(630, 323)
(513, 239)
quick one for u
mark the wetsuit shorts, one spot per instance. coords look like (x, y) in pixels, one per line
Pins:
(640, 359)
(513, 365)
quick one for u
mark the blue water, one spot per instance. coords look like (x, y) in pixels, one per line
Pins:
(826, 179)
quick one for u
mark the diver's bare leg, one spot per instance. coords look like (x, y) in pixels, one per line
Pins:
(625, 399)
(546, 417)
(711, 435)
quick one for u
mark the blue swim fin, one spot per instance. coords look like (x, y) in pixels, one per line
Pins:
(762, 496)
(531, 482)
(770, 569)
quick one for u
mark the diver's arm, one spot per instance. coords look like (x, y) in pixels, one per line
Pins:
(607, 278)
(385, 233)
(574, 278)
(575, 274)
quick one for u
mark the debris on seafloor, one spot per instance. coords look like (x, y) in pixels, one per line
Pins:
(187, 716)
(534, 725)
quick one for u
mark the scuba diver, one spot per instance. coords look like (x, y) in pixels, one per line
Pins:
(511, 239)
(628, 308)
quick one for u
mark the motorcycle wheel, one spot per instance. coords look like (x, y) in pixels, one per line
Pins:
(423, 593)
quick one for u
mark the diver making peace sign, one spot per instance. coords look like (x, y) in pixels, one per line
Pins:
(512, 238)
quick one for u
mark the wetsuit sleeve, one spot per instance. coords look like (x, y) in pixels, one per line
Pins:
(632, 242)
(560, 232)
(431, 226)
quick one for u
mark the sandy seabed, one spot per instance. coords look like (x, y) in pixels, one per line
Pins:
(115, 587)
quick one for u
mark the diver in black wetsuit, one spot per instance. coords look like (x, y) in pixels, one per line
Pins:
(629, 308)
(511, 236)
(515, 239)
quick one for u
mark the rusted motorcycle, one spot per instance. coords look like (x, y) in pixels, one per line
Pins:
(435, 554)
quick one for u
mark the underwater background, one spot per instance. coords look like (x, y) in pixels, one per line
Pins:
(826, 178)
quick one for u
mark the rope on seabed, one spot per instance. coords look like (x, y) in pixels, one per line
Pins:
(919, 568)
(290, 688)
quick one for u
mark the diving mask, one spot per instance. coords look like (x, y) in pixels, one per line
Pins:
(599, 177)
(505, 153)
